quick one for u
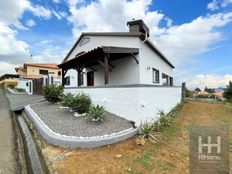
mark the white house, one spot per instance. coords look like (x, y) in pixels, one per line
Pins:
(123, 71)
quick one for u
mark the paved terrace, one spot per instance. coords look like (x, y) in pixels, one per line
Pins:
(18, 101)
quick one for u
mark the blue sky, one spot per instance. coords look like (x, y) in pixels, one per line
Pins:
(195, 35)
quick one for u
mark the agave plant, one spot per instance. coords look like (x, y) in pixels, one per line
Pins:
(165, 120)
(146, 130)
(96, 113)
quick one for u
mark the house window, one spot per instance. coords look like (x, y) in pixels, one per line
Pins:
(165, 79)
(155, 75)
(67, 80)
(43, 72)
(59, 73)
(170, 81)
(52, 80)
(84, 41)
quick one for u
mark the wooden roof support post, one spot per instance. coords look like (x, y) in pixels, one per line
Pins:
(106, 68)
(63, 75)
(78, 75)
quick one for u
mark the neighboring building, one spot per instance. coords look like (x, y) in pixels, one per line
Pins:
(29, 73)
(218, 94)
(202, 93)
(9, 80)
(123, 71)
(36, 70)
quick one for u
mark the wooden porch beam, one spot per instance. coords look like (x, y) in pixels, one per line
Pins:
(135, 58)
(94, 70)
(112, 66)
(78, 75)
(103, 64)
(63, 73)
(106, 69)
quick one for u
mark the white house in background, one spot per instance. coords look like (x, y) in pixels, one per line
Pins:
(123, 71)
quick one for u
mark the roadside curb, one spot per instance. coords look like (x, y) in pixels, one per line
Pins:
(71, 141)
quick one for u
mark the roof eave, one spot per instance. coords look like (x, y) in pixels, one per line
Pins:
(126, 34)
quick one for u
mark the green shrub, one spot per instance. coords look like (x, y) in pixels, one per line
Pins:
(165, 120)
(228, 100)
(53, 93)
(146, 130)
(20, 90)
(96, 113)
(67, 99)
(81, 103)
(202, 96)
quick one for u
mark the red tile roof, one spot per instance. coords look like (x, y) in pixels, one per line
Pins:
(42, 65)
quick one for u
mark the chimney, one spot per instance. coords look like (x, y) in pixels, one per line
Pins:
(138, 26)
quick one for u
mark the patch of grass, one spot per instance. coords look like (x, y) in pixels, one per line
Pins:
(145, 158)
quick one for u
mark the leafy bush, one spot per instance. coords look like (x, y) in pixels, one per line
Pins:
(228, 100)
(81, 103)
(53, 93)
(20, 90)
(146, 130)
(67, 99)
(202, 96)
(188, 93)
(96, 113)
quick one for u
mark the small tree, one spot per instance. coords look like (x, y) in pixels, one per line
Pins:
(209, 90)
(228, 91)
(188, 93)
(197, 89)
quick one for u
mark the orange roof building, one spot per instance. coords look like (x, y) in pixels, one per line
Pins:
(37, 70)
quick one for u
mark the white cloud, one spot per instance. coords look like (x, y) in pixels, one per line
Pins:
(56, 1)
(40, 11)
(217, 4)
(11, 11)
(213, 5)
(11, 49)
(211, 81)
(110, 15)
(30, 23)
(225, 3)
(7, 68)
(183, 42)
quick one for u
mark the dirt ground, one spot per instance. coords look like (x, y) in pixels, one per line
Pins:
(169, 155)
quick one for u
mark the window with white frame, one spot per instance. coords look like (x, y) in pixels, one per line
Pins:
(155, 75)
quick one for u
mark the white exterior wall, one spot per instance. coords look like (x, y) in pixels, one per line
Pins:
(134, 103)
(22, 83)
(97, 41)
(126, 71)
(73, 78)
(148, 60)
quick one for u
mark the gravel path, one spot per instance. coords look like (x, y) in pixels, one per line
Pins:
(63, 121)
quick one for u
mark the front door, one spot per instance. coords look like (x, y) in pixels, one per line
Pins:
(90, 78)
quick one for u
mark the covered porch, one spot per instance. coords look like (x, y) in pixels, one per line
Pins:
(103, 64)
